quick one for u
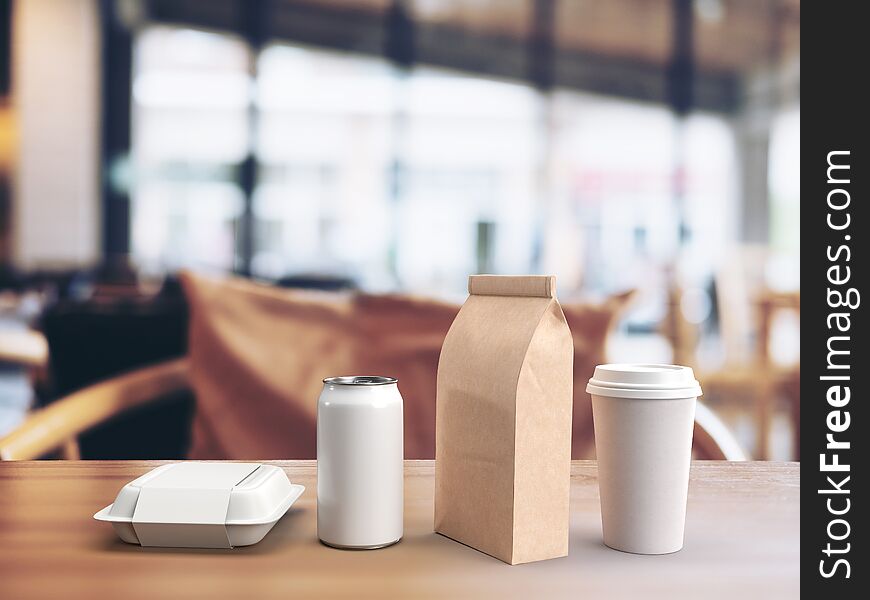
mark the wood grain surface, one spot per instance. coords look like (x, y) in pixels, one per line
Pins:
(742, 541)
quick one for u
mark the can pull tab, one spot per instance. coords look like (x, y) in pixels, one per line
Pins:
(360, 380)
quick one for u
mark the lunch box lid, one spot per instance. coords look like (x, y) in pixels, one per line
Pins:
(203, 493)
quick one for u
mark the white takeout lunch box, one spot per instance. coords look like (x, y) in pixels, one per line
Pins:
(201, 505)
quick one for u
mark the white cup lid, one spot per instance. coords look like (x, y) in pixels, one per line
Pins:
(644, 381)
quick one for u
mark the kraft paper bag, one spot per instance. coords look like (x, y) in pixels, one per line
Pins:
(503, 421)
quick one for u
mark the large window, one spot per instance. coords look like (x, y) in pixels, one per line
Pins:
(365, 170)
(785, 198)
(466, 198)
(190, 132)
(413, 179)
(324, 144)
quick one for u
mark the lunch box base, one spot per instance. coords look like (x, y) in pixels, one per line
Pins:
(239, 535)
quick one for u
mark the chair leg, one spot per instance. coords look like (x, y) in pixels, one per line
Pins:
(70, 450)
(764, 416)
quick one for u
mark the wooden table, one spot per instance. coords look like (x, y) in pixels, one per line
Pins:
(742, 541)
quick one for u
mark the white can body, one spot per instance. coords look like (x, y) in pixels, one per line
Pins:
(360, 489)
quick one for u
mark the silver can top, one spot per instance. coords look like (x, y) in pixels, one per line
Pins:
(360, 380)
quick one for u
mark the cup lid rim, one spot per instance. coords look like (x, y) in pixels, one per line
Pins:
(641, 380)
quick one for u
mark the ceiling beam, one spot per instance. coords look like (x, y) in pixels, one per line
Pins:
(364, 31)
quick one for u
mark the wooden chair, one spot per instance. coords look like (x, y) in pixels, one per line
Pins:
(56, 426)
(755, 376)
(712, 439)
(777, 379)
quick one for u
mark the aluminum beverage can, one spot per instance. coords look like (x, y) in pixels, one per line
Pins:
(360, 447)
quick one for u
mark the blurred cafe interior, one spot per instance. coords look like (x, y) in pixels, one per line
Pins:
(197, 197)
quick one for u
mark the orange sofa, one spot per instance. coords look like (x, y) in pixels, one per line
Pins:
(258, 355)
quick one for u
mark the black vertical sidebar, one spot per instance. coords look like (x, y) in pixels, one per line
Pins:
(834, 227)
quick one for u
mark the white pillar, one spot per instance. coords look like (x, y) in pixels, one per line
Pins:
(56, 92)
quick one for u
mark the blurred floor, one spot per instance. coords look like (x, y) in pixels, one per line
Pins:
(16, 394)
(15, 397)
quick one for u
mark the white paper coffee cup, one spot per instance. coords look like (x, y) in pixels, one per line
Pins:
(644, 417)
